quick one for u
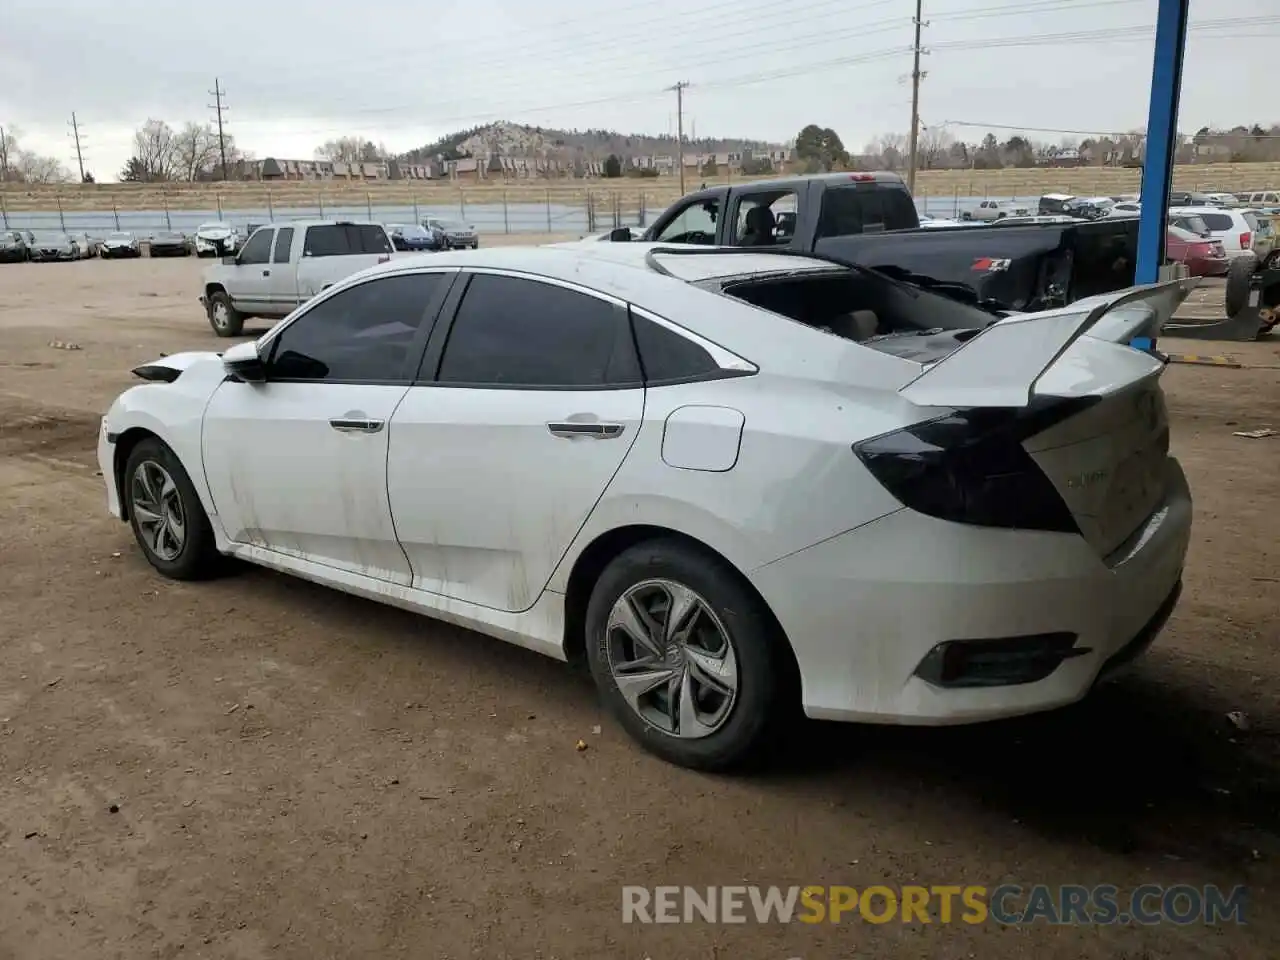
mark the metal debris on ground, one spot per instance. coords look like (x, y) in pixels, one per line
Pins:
(1238, 720)
(580, 745)
(1203, 360)
(1254, 434)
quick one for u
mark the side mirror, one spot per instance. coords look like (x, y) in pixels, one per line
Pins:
(620, 235)
(244, 362)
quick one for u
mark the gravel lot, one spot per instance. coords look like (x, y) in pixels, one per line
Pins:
(258, 767)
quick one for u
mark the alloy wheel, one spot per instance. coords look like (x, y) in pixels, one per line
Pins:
(672, 659)
(157, 510)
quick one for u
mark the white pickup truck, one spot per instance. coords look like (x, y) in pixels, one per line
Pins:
(283, 265)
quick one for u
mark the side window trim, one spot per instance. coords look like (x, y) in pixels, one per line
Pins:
(275, 245)
(429, 371)
(729, 363)
(431, 320)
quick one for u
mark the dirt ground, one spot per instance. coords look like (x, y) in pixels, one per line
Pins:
(258, 767)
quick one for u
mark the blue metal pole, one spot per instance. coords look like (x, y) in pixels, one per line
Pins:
(1162, 136)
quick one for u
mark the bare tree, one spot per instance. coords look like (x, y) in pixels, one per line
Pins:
(932, 146)
(196, 150)
(352, 150)
(155, 147)
(890, 149)
(34, 168)
(27, 166)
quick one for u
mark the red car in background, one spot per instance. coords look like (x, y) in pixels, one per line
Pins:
(1203, 256)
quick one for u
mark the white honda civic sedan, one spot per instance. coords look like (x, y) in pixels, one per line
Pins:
(733, 481)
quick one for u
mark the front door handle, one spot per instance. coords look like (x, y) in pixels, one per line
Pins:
(591, 431)
(356, 425)
(266, 273)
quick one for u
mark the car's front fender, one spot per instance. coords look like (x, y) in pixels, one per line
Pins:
(173, 412)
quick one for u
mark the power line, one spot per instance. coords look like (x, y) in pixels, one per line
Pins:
(679, 88)
(916, 50)
(218, 106)
(75, 132)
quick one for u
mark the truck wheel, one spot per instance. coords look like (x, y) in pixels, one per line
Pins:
(1239, 274)
(225, 319)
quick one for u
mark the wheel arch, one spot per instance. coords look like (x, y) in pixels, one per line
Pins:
(600, 552)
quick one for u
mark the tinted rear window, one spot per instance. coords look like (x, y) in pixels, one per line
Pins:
(344, 239)
(1216, 221)
(866, 208)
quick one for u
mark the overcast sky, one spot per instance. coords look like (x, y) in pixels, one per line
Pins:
(407, 71)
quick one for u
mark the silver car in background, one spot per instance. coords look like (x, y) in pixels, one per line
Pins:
(54, 246)
(457, 236)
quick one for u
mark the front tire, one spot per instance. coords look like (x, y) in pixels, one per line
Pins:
(166, 515)
(686, 657)
(224, 318)
(1240, 273)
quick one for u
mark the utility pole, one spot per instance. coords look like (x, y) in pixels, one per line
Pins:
(217, 106)
(679, 89)
(4, 157)
(916, 76)
(75, 132)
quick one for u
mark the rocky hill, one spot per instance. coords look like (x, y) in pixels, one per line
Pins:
(522, 141)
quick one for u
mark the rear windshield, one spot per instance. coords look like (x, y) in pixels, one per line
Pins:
(346, 239)
(1217, 221)
(866, 208)
(1186, 236)
(1193, 223)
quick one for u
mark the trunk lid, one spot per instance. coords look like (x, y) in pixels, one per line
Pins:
(1107, 461)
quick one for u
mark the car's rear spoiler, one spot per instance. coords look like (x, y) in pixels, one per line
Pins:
(1000, 366)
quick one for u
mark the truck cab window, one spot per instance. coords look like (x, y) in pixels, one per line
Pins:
(765, 219)
(696, 223)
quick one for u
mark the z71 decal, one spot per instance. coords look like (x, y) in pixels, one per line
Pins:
(991, 265)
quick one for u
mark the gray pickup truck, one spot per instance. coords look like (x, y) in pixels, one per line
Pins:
(284, 265)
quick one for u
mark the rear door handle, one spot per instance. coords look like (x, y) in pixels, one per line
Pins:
(356, 425)
(592, 431)
(266, 273)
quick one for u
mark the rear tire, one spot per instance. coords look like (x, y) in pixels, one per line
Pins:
(1239, 274)
(166, 515)
(708, 692)
(224, 318)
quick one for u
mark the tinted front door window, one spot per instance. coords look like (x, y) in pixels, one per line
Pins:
(364, 333)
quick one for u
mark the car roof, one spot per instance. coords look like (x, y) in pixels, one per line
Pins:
(675, 291)
(1202, 210)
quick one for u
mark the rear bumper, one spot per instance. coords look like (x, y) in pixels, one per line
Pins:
(863, 609)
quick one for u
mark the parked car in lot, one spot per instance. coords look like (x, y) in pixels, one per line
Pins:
(1052, 204)
(734, 481)
(990, 210)
(456, 236)
(215, 239)
(1125, 208)
(1203, 257)
(120, 244)
(169, 243)
(413, 236)
(280, 267)
(54, 246)
(1268, 200)
(1234, 229)
(13, 247)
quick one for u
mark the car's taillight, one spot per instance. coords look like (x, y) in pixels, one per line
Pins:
(969, 466)
(1246, 241)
